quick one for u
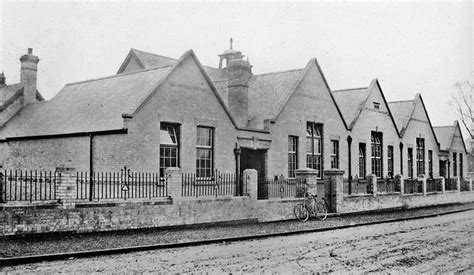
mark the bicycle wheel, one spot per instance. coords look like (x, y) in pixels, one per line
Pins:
(321, 211)
(301, 213)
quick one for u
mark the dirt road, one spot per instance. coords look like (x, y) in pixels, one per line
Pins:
(444, 243)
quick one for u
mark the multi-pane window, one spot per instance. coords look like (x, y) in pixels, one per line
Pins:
(335, 154)
(204, 152)
(390, 161)
(455, 165)
(420, 156)
(169, 146)
(314, 150)
(362, 155)
(410, 163)
(376, 145)
(430, 163)
(460, 165)
(292, 155)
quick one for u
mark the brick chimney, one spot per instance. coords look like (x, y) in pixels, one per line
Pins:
(240, 73)
(28, 75)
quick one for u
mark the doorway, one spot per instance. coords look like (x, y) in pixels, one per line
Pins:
(255, 159)
(442, 168)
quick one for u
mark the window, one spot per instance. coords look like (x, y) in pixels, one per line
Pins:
(430, 163)
(362, 160)
(410, 163)
(335, 154)
(420, 156)
(455, 165)
(376, 144)
(376, 105)
(204, 152)
(460, 165)
(169, 146)
(314, 150)
(292, 155)
(390, 161)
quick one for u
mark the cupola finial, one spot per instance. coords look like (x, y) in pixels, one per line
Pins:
(231, 41)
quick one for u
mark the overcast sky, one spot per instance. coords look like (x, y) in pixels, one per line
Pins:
(410, 47)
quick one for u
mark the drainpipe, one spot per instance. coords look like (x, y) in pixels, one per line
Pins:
(91, 167)
(401, 158)
(237, 152)
(349, 142)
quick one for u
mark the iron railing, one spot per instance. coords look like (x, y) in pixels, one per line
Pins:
(281, 188)
(387, 185)
(356, 186)
(434, 185)
(464, 184)
(413, 186)
(219, 184)
(116, 185)
(450, 184)
(23, 185)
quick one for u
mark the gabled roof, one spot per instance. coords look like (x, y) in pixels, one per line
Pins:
(353, 102)
(445, 135)
(88, 106)
(148, 60)
(402, 111)
(7, 92)
(269, 92)
(95, 105)
(350, 101)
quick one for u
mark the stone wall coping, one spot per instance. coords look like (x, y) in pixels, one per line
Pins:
(65, 170)
(331, 172)
(306, 171)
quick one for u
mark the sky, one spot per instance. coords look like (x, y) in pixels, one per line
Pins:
(410, 47)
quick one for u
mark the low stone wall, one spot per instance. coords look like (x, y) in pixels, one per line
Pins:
(389, 201)
(68, 215)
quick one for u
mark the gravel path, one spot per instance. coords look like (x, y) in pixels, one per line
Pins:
(438, 244)
(15, 247)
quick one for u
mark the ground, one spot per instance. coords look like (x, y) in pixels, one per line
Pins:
(439, 244)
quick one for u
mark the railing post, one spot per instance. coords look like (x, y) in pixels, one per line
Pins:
(399, 182)
(174, 181)
(470, 184)
(372, 184)
(458, 184)
(2, 188)
(422, 178)
(443, 185)
(66, 185)
(309, 176)
(337, 188)
(251, 178)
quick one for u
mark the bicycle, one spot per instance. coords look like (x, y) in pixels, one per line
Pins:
(311, 206)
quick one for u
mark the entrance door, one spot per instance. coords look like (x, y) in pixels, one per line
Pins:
(254, 159)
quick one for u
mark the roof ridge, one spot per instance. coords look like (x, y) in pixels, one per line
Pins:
(279, 72)
(350, 89)
(137, 50)
(116, 75)
(445, 126)
(401, 101)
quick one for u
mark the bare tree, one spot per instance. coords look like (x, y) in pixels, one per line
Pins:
(462, 101)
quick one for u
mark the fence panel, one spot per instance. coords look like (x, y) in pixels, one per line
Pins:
(450, 184)
(117, 185)
(357, 186)
(219, 184)
(413, 186)
(387, 185)
(433, 185)
(23, 185)
(464, 184)
(282, 188)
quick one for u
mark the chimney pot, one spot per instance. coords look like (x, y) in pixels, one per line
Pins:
(30, 50)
